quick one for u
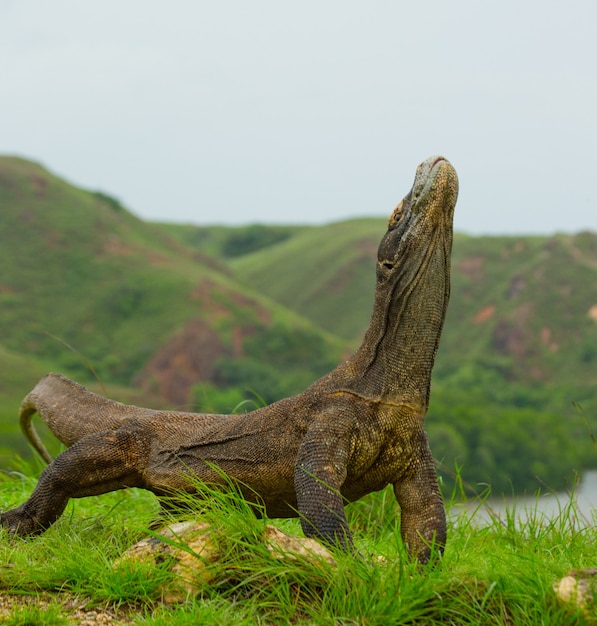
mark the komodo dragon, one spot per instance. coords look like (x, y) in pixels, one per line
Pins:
(352, 432)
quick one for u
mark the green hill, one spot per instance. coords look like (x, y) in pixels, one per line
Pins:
(85, 285)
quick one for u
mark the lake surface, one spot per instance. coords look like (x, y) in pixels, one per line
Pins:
(545, 506)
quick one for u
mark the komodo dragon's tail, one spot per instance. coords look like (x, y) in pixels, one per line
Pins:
(26, 413)
(70, 412)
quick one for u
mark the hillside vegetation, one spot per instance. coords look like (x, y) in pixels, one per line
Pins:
(207, 317)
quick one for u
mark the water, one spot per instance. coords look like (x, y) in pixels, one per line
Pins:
(545, 506)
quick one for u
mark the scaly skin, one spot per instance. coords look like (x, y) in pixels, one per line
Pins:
(354, 431)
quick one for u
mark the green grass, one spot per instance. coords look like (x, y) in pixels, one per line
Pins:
(498, 573)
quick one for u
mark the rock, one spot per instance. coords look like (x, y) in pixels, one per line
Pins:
(283, 546)
(578, 587)
(192, 550)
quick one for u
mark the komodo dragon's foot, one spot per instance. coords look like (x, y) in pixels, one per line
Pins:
(18, 522)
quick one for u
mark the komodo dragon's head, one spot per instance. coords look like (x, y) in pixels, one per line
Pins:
(423, 218)
(413, 282)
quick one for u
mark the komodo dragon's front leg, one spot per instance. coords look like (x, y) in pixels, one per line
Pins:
(320, 472)
(99, 463)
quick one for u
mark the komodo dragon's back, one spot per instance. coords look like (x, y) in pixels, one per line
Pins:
(354, 431)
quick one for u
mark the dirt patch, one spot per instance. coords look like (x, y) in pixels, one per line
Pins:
(190, 356)
(473, 267)
(547, 339)
(186, 359)
(74, 609)
(484, 314)
(513, 336)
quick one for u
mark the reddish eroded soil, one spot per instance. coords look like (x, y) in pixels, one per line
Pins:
(190, 355)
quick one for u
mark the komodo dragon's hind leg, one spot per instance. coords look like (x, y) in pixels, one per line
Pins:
(98, 463)
(422, 513)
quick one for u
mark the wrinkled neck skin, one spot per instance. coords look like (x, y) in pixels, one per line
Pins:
(396, 357)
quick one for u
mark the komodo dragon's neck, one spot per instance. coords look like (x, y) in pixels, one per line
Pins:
(395, 360)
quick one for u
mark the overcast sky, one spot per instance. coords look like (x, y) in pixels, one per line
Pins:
(270, 111)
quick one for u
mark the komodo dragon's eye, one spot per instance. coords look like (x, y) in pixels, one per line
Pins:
(397, 215)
